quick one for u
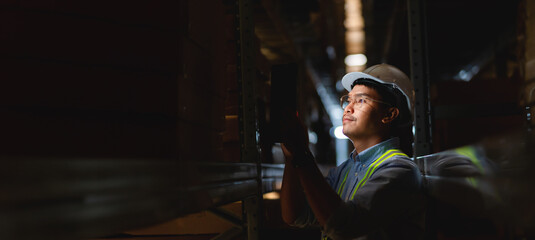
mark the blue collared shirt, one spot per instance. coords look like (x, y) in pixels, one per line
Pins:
(357, 165)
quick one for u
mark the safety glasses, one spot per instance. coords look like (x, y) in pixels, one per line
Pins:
(358, 101)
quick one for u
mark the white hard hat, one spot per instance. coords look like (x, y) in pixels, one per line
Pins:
(386, 75)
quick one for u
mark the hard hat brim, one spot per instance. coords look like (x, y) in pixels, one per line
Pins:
(350, 78)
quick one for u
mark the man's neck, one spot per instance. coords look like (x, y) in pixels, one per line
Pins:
(365, 143)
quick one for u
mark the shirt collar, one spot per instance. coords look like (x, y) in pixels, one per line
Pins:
(372, 153)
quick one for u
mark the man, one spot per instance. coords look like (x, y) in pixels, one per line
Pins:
(376, 193)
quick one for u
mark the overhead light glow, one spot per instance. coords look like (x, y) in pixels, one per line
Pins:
(312, 137)
(338, 133)
(271, 195)
(356, 60)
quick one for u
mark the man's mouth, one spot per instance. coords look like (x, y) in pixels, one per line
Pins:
(348, 118)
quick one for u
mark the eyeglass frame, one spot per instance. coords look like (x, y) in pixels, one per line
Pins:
(362, 96)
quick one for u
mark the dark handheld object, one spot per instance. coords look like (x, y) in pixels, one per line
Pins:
(283, 98)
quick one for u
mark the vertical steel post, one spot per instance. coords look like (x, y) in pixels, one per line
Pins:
(420, 76)
(247, 116)
(528, 32)
(422, 110)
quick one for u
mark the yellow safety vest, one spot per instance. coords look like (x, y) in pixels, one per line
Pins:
(371, 169)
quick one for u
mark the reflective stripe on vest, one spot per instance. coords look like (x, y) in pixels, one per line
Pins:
(371, 169)
(342, 186)
(470, 153)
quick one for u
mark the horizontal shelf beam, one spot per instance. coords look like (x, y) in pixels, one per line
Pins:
(75, 198)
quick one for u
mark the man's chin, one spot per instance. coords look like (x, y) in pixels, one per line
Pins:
(345, 132)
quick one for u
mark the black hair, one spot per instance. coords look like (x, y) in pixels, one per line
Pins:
(385, 93)
(402, 125)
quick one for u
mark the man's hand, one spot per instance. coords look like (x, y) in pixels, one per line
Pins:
(295, 140)
(295, 134)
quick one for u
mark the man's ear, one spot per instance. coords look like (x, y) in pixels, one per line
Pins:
(391, 114)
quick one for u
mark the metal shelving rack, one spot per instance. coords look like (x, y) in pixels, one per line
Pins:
(420, 76)
(81, 198)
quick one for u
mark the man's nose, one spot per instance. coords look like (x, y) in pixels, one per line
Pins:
(349, 108)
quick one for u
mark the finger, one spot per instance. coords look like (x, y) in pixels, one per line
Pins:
(284, 149)
(287, 153)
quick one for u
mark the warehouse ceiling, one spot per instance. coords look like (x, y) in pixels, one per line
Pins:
(284, 27)
(463, 36)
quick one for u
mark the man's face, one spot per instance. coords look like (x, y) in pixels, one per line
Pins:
(362, 119)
